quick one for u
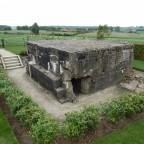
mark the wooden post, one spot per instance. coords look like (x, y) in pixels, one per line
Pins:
(27, 38)
(3, 43)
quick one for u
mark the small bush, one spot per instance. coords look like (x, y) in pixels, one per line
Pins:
(11, 90)
(45, 131)
(23, 53)
(139, 51)
(5, 83)
(76, 123)
(16, 102)
(125, 106)
(30, 114)
(43, 127)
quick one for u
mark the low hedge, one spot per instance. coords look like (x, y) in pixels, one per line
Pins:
(44, 128)
(28, 112)
(77, 123)
(139, 51)
(123, 107)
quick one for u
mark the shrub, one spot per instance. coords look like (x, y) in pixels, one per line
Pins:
(4, 84)
(16, 102)
(23, 53)
(92, 116)
(139, 51)
(125, 106)
(45, 131)
(43, 127)
(76, 123)
(29, 114)
(11, 90)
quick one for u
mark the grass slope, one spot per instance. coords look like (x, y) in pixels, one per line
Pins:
(132, 134)
(6, 133)
(16, 49)
(138, 64)
(117, 34)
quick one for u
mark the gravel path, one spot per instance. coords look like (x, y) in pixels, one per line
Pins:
(48, 102)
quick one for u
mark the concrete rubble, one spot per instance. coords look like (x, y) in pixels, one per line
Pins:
(133, 82)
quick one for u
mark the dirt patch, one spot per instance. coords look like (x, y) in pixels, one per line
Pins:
(21, 132)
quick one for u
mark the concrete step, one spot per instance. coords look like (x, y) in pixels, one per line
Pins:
(60, 93)
(44, 77)
(10, 59)
(11, 62)
(14, 61)
(14, 64)
(14, 67)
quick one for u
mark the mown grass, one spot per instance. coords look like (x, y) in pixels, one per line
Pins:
(131, 134)
(116, 34)
(6, 134)
(16, 49)
(15, 41)
(138, 64)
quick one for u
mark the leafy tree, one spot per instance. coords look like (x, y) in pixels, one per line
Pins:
(117, 28)
(111, 28)
(19, 28)
(35, 29)
(22, 27)
(5, 27)
(103, 31)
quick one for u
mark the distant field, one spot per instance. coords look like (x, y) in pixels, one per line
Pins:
(138, 64)
(117, 34)
(15, 40)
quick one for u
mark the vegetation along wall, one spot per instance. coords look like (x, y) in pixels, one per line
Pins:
(139, 51)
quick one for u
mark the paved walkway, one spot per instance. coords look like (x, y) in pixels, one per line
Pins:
(48, 101)
(4, 52)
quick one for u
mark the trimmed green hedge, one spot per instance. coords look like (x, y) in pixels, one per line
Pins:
(139, 51)
(123, 107)
(43, 127)
(77, 123)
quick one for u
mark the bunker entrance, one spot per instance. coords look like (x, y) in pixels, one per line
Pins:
(76, 85)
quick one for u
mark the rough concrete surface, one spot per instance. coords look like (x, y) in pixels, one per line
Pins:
(85, 66)
(74, 45)
(48, 102)
(134, 81)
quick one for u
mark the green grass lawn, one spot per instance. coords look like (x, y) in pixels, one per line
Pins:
(131, 134)
(138, 64)
(15, 41)
(16, 49)
(6, 134)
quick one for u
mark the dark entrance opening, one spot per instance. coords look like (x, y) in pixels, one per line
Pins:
(76, 85)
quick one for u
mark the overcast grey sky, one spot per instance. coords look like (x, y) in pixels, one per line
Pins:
(72, 12)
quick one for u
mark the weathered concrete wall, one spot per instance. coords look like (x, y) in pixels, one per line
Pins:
(97, 64)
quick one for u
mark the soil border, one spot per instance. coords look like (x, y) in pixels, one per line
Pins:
(20, 131)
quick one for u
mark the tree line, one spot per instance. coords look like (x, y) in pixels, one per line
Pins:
(5, 28)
